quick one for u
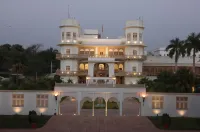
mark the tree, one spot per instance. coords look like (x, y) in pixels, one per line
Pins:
(176, 49)
(192, 45)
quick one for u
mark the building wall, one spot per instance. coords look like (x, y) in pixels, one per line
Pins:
(73, 78)
(73, 49)
(169, 106)
(29, 103)
(72, 63)
(128, 66)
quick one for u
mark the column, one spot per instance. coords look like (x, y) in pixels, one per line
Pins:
(111, 69)
(79, 102)
(106, 110)
(92, 107)
(106, 51)
(96, 51)
(90, 69)
(120, 108)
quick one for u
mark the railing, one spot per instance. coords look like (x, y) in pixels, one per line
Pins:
(72, 73)
(85, 56)
(128, 74)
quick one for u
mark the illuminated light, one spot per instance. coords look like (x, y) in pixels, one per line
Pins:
(114, 78)
(62, 41)
(107, 37)
(74, 114)
(193, 89)
(181, 112)
(68, 56)
(67, 72)
(128, 42)
(87, 78)
(143, 95)
(134, 82)
(74, 72)
(68, 41)
(138, 115)
(74, 41)
(140, 57)
(62, 72)
(134, 56)
(60, 114)
(42, 110)
(127, 56)
(73, 100)
(56, 94)
(140, 41)
(134, 73)
(139, 73)
(17, 109)
(135, 42)
(156, 111)
(96, 37)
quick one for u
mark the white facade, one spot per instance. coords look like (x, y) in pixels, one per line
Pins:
(120, 59)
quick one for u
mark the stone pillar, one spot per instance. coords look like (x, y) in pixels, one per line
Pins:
(121, 103)
(79, 102)
(96, 51)
(92, 107)
(106, 109)
(111, 69)
(106, 51)
(91, 69)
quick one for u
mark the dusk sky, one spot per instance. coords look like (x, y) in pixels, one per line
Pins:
(36, 21)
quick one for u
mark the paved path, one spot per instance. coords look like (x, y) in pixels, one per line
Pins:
(96, 124)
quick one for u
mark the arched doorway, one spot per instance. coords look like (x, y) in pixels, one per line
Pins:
(101, 70)
(113, 107)
(131, 106)
(99, 106)
(86, 106)
(68, 105)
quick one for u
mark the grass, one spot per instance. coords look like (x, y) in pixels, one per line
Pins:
(178, 123)
(110, 105)
(21, 121)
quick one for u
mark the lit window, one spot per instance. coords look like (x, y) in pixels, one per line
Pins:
(157, 102)
(129, 37)
(67, 68)
(63, 35)
(68, 35)
(74, 36)
(87, 51)
(134, 52)
(116, 66)
(116, 52)
(110, 53)
(81, 67)
(42, 100)
(91, 51)
(86, 66)
(181, 103)
(101, 66)
(121, 52)
(81, 51)
(67, 51)
(134, 36)
(134, 69)
(18, 100)
(121, 67)
(140, 36)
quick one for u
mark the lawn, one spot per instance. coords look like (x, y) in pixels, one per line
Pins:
(178, 123)
(21, 121)
(110, 105)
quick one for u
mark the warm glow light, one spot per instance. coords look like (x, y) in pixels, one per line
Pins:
(134, 82)
(67, 40)
(56, 94)
(134, 57)
(62, 41)
(62, 72)
(181, 112)
(156, 111)
(73, 100)
(140, 41)
(42, 110)
(74, 41)
(193, 89)
(87, 78)
(140, 57)
(134, 73)
(68, 56)
(128, 42)
(113, 78)
(139, 73)
(67, 72)
(143, 95)
(74, 72)
(17, 109)
(74, 114)
(135, 42)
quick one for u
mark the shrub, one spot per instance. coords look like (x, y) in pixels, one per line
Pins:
(166, 120)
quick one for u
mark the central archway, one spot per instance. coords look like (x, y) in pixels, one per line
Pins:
(101, 70)
(113, 106)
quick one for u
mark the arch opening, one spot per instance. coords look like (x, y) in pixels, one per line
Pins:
(131, 106)
(68, 105)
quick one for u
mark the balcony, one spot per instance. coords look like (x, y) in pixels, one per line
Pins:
(72, 73)
(128, 74)
(86, 56)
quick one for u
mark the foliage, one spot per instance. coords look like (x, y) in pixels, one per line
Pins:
(69, 81)
(166, 120)
(177, 123)
(110, 105)
(180, 82)
(57, 79)
(21, 121)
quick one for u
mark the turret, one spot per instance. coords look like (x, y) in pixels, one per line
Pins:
(70, 31)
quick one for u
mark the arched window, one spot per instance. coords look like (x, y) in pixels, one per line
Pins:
(116, 52)
(121, 52)
(91, 51)
(121, 67)
(134, 69)
(134, 36)
(86, 66)
(68, 51)
(128, 36)
(86, 51)
(134, 52)
(110, 52)
(74, 35)
(81, 66)
(81, 51)
(116, 67)
(101, 66)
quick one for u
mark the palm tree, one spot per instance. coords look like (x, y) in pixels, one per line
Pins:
(192, 45)
(176, 49)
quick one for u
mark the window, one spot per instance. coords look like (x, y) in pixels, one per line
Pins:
(68, 35)
(67, 68)
(181, 103)
(74, 36)
(116, 67)
(67, 51)
(42, 100)
(129, 37)
(101, 53)
(121, 52)
(91, 51)
(81, 51)
(134, 69)
(121, 67)
(18, 100)
(110, 53)
(87, 51)
(63, 35)
(140, 36)
(134, 36)
(116, 52)
(134, 52)
(157, 102)
(86, 66)
(101, 66)
(81, 67)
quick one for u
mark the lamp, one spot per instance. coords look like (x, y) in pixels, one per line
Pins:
(143, 95)
(56, 96)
